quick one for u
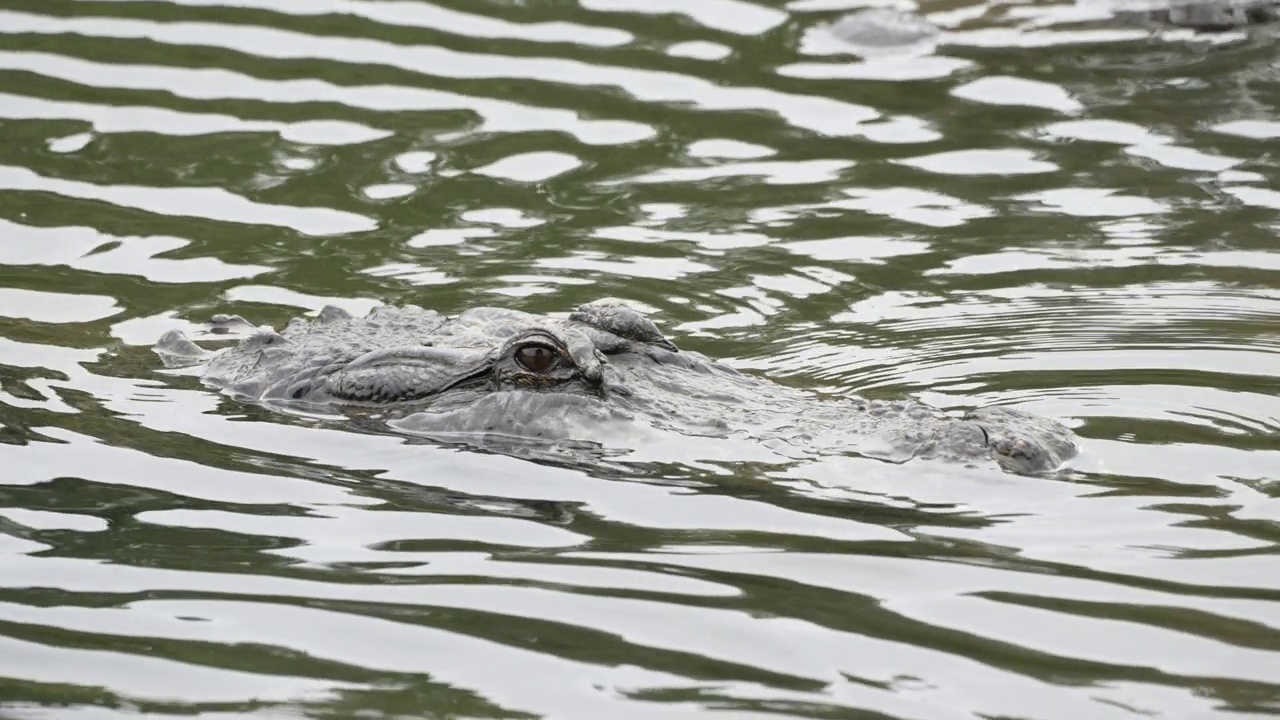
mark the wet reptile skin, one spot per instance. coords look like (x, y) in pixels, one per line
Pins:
(434, 375)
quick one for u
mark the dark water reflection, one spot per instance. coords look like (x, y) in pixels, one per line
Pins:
(1043, 210)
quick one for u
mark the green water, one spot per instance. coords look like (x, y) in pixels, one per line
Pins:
(1075, 219)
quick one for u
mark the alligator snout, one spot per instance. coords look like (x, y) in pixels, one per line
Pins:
(1024, 443)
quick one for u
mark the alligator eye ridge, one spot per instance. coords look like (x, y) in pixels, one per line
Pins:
(537, 358)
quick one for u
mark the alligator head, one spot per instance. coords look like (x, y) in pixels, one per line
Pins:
(604, 369)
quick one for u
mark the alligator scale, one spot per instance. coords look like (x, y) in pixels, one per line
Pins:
(500, 372)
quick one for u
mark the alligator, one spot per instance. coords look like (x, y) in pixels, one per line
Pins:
(604, 368)
(1200, 15)
(888, 30)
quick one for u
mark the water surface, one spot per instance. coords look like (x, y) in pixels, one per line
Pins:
(1037, 208)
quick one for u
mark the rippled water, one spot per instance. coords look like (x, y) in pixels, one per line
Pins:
(1040, 209)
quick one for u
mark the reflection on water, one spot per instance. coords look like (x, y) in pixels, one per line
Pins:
(1035, 207)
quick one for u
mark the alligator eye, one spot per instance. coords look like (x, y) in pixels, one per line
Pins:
(537, 358)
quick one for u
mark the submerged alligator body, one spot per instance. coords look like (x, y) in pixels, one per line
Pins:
(603, 373)
(1200, 15)
(875, 31)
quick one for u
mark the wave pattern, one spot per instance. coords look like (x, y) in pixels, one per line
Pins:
(1042, 207)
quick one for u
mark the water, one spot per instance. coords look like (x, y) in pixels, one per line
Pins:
(1034, 208)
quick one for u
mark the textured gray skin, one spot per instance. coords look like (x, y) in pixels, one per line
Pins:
(424, 373)
(878, 28)
(873, 30)
(1202, 15)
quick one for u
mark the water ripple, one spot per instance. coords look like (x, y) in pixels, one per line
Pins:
(421, 15)
(810, 112)
(205, 203)
(1033, 206)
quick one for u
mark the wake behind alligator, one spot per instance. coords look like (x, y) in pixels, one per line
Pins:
(605, 374)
